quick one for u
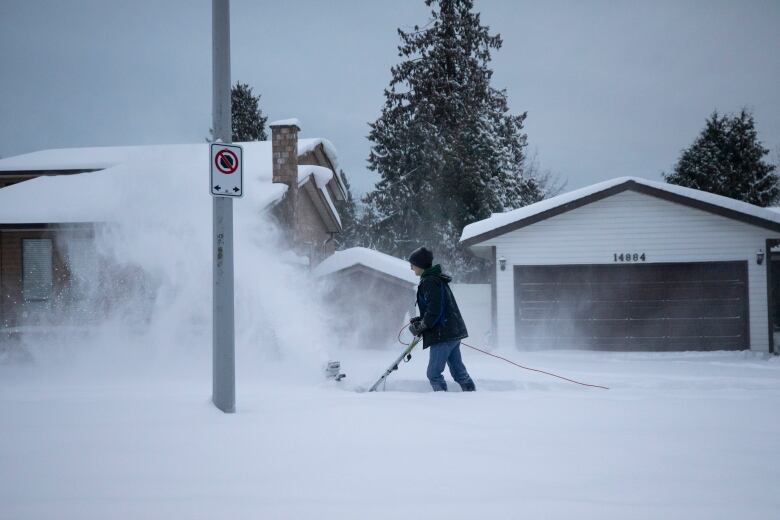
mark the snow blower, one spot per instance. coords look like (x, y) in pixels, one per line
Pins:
(406, 355)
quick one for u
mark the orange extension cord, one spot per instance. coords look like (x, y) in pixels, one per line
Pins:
(509, 361)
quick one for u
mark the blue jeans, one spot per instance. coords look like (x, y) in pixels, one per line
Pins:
(447, 352)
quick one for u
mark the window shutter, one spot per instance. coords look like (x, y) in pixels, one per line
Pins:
(37, 280)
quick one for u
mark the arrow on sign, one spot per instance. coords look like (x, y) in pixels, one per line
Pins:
(236, 189)
(217, 187)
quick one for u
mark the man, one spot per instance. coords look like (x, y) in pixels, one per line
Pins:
(439, 323)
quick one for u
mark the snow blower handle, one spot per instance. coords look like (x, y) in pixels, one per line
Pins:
(407, 352)
(414, 343)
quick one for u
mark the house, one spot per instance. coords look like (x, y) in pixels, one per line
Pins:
(372, 291)
(631, 264)
(53, 197)
(309, 169)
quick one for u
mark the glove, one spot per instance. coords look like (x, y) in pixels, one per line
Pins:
(416, 327)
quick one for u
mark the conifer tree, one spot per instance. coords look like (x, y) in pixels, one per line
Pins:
(351, 232)
(248, 120)
(446, 147)
(728, 159)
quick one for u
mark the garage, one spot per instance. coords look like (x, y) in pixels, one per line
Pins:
(631, 264)
(650, 307)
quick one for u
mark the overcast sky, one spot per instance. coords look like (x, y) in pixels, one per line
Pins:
(611, 88)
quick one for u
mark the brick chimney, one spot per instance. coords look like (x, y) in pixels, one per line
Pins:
(284, 145)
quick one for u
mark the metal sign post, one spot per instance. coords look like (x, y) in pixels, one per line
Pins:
(223, 341)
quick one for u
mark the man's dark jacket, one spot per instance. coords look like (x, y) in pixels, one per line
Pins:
(440, 315)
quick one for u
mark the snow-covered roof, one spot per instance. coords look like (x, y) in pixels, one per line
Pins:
(131, 175)
(92, 158)
(499, 223)
(100, 157)
(309, 145)
(322, 177)
(370, 258)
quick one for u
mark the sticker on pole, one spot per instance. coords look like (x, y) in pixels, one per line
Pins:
(227, 177)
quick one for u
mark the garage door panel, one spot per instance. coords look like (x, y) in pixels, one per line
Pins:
(649, 343)
(605, 328)
(558, 323)
(550, 328)
(572, 329)
(602, 310)
(716, 327)
(546, 344)
(538, 312)
(557, 292)
(649, 329)
(706, 343)
(706, 308)
(699, 306)
(682, 291)
(645, 291)
(607, 291)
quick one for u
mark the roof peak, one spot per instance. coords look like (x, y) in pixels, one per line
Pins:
(500, 223)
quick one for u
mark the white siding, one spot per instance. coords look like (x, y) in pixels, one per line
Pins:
(637, 223)
(474, 304)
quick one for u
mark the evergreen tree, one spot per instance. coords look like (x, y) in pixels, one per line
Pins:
(727, 159)
(351, 233)
(248, 120)
(447, 148)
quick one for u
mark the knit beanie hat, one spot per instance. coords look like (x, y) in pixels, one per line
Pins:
(421, 257)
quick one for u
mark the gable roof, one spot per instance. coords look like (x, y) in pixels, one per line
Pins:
(320, 177)
(116, 176)
(501, 223)
(362, 256)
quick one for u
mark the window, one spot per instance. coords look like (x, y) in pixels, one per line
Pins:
(81, 261)
(37, 280)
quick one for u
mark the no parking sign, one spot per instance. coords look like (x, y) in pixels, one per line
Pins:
(227, 176)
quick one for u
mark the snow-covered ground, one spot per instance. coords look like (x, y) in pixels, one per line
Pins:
(688, 435)
(116, 422)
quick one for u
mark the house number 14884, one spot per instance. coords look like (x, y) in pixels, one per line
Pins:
(629, 257)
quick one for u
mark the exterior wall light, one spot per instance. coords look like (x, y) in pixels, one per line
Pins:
(760, 256)
(502, 263)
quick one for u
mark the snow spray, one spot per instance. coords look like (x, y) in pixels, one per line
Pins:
(144, 281)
